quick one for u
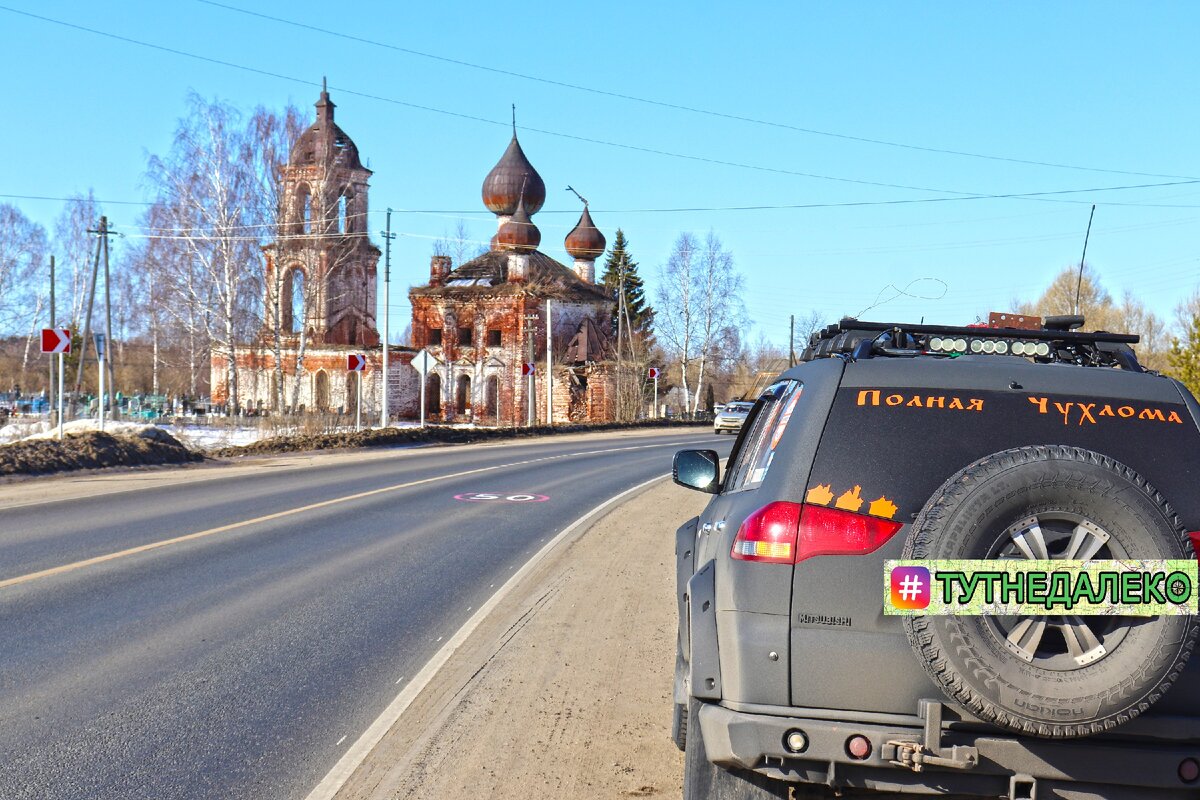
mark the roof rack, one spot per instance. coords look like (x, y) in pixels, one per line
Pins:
(1052, 342)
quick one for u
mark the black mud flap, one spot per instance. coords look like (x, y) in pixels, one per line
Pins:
(704, 667)
(685, 565)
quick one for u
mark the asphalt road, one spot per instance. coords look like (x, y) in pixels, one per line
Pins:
(283, 613)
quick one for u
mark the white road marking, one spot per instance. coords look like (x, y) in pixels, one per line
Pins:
(87, 562)
(339, 741)
(333, 781)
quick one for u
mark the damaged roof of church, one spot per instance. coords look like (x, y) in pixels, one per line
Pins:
(488, 274)
(514, 191)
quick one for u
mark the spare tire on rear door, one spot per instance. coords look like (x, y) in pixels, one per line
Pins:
(1055, 676)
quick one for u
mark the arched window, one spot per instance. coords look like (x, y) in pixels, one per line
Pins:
(321, 391)
(354, 214)
(433, 394)
(293, 301)
(462, 394)
(304, 208)
(491, 395)
(341, 214)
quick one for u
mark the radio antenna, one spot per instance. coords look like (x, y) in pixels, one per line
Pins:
(1079, 282)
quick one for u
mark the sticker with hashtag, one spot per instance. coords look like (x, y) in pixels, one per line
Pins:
(910, 588)
(1005, 587)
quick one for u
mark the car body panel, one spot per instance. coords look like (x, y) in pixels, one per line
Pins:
(881, 435)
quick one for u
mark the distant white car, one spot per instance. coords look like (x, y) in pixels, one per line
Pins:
(731, 417)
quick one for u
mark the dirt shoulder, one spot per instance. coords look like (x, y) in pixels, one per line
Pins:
(565, 691)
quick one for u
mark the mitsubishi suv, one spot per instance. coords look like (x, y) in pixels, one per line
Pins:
(921, 443)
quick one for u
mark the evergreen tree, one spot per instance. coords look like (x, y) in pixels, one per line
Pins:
(640, 314)
(1184, 357)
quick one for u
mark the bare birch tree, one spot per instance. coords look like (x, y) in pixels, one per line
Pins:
(719, 308)
(677, 319)
(211, 183)
(24, 279)
(75, 249)
(699, 306)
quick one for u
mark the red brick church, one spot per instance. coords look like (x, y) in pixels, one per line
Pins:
(481, 320)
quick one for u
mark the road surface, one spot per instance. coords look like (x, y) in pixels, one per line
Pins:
(232, 636)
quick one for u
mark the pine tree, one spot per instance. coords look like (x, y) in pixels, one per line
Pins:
(640, 314)
(1184, 357)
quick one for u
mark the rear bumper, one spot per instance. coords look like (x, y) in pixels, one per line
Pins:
(1014, 766)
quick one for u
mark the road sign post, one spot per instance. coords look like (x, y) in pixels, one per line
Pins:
(100, 355)
(58, 340)
(654, 375)
(61, 366)
(423, 362)
(356, 363)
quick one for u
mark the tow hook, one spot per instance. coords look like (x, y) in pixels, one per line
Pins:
(930, 753)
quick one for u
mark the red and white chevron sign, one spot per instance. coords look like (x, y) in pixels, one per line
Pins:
(56, 340)
(356, 362)
(528, 368)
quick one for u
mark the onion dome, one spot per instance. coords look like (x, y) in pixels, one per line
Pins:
(585, 240)
(519, 233)
(502, 186)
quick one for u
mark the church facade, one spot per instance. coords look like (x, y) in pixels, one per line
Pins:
(483, 321)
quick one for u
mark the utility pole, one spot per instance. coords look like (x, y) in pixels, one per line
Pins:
(101, 244)
(549, 366)
(620, 320)
(530, 319)
(387, 279)
(792, 341)
(87, 318)
(108, 360)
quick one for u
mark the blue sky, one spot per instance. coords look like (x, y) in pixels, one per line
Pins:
(1108, 87)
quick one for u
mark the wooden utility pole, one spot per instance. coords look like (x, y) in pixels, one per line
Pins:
(108, 356)
(87, 319)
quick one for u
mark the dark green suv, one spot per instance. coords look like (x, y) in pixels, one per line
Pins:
(920, 442)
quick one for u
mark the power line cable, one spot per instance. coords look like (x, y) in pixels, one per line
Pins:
(547, 132)
(481, 216)
(676, 106)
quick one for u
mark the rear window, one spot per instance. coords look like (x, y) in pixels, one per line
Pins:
(762, 434)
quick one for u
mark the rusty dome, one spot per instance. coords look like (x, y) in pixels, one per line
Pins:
(325, 141)
(585, 240)
(519, 233)
(502, 186)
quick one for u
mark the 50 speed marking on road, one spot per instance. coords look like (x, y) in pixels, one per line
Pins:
(483, 497)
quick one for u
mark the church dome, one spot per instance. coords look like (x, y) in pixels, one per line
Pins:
(503, 185)
(519, 233)
(324, 139)
(585, 240)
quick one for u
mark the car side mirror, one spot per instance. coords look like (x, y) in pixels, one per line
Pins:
(697, 469)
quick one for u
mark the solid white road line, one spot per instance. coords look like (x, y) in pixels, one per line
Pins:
(87, 562)
(332, 783)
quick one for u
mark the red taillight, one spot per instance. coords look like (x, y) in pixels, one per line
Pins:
(833, 532)
(769, 534)
(1195, 537)
(786, 533)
